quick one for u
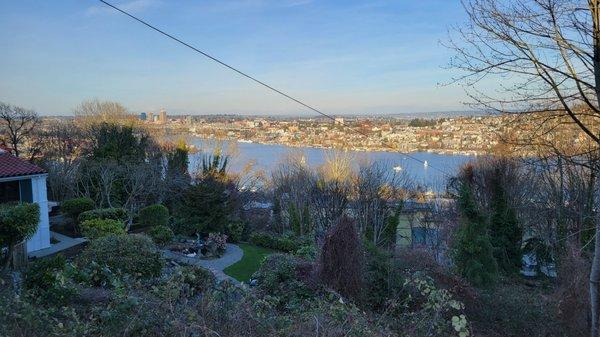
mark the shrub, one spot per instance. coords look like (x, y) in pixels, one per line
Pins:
(99, 228)
(573, 281)
(73, 207)
(186, 282)
(216, 243)
(154, 215)
(134, 255)
(307, 252)
(104, 213)
(18, 222)
(280, 277)
(433, 309)
(96, 275)
(234, 230)
(270, 241)
(161, 234)
(47, 280)
(340, 264)
(383, 279)
(184, 228)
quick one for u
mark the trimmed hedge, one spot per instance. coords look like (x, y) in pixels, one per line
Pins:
(274, 242)
(133, 254)
(118, 214)
(73, 207)
(154, 215)
(99, 228)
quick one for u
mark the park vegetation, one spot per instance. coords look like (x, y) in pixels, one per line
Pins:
(510, 248)
(327, 258)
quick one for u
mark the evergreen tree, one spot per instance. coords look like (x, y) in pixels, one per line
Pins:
(472, 249)
(277, 221)
(295, 222)
(390, 231)
(505, 232)
(306, 229)
(177, 160)
(120, 143)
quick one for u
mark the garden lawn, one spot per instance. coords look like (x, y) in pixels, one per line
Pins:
(244, 268)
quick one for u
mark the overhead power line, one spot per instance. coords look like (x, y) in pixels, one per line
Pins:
(254, 79)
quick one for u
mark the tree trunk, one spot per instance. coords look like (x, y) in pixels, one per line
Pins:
(594, 287)
(16, 256)
(19, 256)
(595, 272)
(8, 258)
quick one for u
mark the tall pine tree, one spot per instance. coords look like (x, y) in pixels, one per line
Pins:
(472, 250)
(506, 235)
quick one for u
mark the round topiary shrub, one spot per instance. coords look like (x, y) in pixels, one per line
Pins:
(153, 215)
(99, 228)
(73, 207)
(134, 255)
(161, 234)
(104, 213)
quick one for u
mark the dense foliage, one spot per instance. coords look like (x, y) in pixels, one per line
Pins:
(506, 235)
(161, 234)
(118, 214)
(73, 207)
(205, 207)
(99, 228)
(341, 259)
(154, 215)
(134, 255)
(472, 249)
(18, 222)
(284, 244)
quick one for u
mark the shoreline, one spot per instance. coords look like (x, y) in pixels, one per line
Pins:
(469, 153)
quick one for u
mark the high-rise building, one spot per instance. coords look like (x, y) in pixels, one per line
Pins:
(143, 116)
(162, 117)
(151, 116)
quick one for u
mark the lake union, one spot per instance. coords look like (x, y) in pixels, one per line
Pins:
(425, 171)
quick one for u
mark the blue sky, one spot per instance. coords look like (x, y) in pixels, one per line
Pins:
(356, 57)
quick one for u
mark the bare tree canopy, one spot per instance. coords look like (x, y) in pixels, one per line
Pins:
(544, 53)
(94, 112)
(18, 125)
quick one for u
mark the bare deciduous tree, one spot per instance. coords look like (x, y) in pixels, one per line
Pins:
(547, 55)
(18, 128)
(376, 193)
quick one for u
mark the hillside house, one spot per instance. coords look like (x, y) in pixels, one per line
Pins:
(22, 181)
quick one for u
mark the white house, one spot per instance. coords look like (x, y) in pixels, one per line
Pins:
(23, 181)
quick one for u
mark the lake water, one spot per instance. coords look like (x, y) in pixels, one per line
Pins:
(265, 157)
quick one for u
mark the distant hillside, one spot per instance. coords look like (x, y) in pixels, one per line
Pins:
(440, 114)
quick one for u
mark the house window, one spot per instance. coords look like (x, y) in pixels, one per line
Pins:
(9, 191)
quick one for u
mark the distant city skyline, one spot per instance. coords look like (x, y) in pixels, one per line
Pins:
(351, 57)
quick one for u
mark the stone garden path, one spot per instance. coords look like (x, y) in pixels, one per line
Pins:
(233, 253)
(64, 242)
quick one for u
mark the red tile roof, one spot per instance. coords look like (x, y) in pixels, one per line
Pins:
(11, 166)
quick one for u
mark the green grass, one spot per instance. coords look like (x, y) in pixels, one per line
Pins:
(244, 268)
